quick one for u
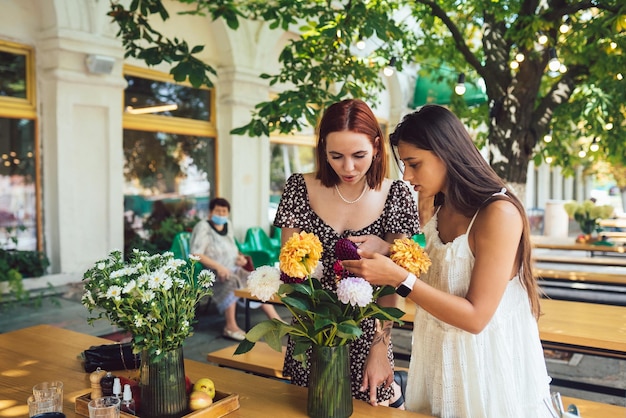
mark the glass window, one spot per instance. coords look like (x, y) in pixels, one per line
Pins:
(169, 157)
(20, 220)
(12, 75)
(145, 96)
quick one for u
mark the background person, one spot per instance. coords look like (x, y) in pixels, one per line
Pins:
(214, 243)
(348, 196)
(476, 350)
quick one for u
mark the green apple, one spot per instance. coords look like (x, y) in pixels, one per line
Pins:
(205, 385)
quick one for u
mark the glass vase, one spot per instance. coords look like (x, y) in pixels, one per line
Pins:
(330, 394)
(163, 391)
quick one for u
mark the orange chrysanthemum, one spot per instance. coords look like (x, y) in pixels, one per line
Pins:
(410, 255)
(300, 254)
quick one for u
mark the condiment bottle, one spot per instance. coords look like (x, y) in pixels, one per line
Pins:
(117, 388)
(94, 379)
(106, 383)
(128, 403)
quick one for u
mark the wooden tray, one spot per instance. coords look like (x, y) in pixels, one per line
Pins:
(223, 404)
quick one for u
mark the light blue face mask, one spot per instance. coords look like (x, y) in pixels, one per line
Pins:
(219, 220)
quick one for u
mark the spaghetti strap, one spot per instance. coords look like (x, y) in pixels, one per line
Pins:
(500, 193)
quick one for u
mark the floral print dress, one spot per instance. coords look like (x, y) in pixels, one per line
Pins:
(399, 216)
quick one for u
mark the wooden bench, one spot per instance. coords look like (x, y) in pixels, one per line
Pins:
(595, 261)
(581, 276)
(263, 360)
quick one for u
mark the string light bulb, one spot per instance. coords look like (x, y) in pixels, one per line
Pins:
(543, 38)
(389, 69)
(548, 137)
(594, 147)
(460, 85)
(360, 44)
(554, 64)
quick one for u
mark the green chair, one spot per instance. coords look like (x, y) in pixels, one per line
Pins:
(275, 238)
(180, 245)
(259, 258)
(257, 240)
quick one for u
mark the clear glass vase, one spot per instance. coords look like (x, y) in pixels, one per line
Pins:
(163, 391)
(330, 394)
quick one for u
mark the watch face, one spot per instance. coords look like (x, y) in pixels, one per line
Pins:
(403, 290)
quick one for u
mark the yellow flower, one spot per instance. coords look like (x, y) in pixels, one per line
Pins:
(300, 254)
(410, 255)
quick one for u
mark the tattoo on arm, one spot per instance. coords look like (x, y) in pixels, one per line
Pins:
(383, 332)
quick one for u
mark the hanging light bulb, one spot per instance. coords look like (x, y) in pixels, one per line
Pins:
(514, 65)
(594, 147)
(519, 57)
(460, 85)
(548, 137)
(549, 160)
(360, 44)
(543, 38)
(554, 64)
(564, 28)
(389, 69)
(582, 153)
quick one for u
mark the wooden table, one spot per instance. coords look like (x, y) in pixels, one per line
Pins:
(589, 328)
(552, 243)
(42, 353)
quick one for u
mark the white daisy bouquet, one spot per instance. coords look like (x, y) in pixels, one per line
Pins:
(322, 317)
(154, 297)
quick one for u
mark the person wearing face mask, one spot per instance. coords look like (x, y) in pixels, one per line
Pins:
(349, 196)
(214, 243)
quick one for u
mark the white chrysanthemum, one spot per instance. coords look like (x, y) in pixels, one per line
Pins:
(158, 280)
(194, 257)
(167, 283)
(129, 286)
(264, 282)
(206, 278)
(147, 296)
(318, 273)
(114, 292)
(355, 291)
(139, 321)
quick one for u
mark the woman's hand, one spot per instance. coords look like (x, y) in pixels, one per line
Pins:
(222, 273)
(377, 371)
(376, 269)
(371, 243)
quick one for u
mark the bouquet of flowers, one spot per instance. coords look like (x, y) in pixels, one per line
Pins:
(322, 317)
(154, 297)
(587, 214)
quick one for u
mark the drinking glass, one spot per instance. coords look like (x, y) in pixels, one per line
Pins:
(50, 391)
(105, 407)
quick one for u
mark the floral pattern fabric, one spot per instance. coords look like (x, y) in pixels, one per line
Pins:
(399, 216)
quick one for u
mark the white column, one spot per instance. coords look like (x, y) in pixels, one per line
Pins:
(81, 137)
(557, 183)
(244, 173)
(543, 186)
(530, 186)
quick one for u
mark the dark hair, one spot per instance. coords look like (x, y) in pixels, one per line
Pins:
(219, 201)
(470, 180)
(352, 115)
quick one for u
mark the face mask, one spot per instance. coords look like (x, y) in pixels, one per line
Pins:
(219, 220)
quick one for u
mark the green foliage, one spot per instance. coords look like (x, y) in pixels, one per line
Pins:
(478, 38)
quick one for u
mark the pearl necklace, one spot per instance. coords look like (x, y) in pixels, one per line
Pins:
(365, 188)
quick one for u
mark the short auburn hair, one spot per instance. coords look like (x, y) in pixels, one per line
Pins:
(352, 115)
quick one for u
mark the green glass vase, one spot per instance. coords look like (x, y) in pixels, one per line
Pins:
(163, 391)
(330, 394)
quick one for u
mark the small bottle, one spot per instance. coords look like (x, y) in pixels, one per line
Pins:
(128, 403)
(117, 388)
(106, 384)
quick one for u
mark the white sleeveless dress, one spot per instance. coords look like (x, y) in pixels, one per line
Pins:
(499, 373)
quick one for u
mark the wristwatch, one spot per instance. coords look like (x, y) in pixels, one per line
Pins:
(406, 286)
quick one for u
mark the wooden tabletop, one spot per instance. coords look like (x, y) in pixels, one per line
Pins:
(43, 353)
(578, 326)
(581, 276)
(553, 243)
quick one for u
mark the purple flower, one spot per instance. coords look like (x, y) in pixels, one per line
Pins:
(346, 250)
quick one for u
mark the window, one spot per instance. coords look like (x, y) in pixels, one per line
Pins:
(169, 145)
(20, 220)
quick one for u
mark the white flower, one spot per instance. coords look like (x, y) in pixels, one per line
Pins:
(87, 299)
(264, 282)
(114, 292)
(129, 286)
(147, 296)
(355, 291)
(206, 278)
(318, 273)
(101, 266)
(194, 257)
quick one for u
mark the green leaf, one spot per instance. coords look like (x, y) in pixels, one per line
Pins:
(244, 347)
